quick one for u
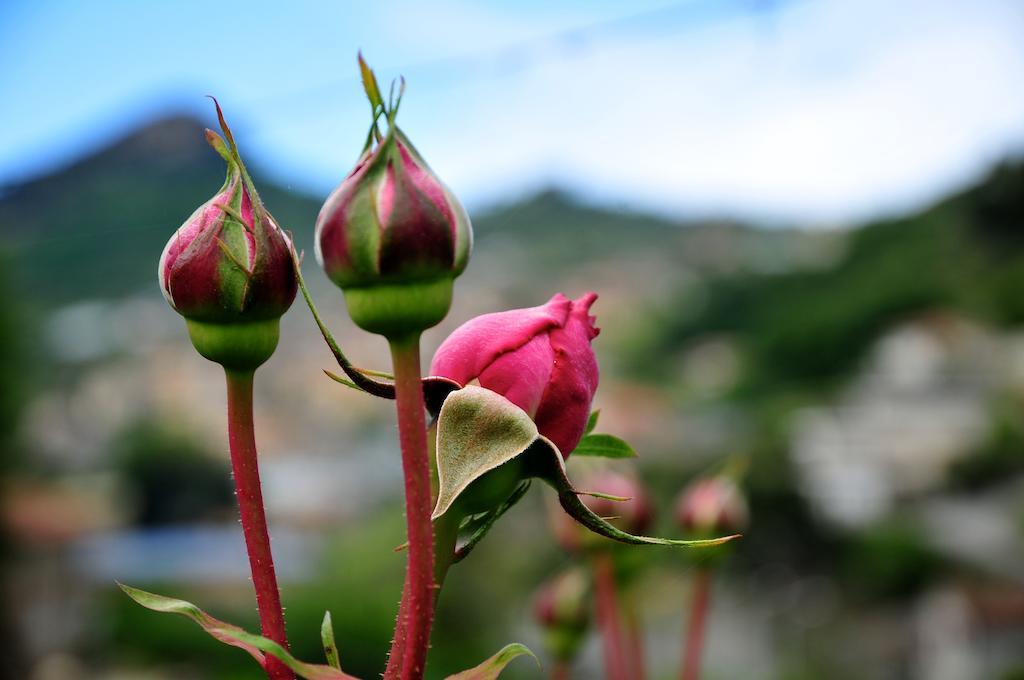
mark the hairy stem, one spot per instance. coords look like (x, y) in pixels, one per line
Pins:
(608, 621)
(418, 605)
(242, 441)
(395, 654)
(694, 641)
(446, 533)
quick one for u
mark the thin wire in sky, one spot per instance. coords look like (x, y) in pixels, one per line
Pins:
(507, 60)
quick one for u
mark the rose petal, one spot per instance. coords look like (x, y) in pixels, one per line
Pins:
(479, 342)
(523, 374)
(565, 406)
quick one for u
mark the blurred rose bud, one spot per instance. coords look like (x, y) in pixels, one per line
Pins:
(228, 269)
(393, 237)
(712, 506)
(539, 358)
(562, 609)
(634, 515)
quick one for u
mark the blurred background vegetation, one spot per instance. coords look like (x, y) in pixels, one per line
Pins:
(873, 376)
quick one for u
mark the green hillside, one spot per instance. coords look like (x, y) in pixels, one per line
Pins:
(93, 230)
(808, 327)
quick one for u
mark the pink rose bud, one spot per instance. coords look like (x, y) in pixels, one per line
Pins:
(392, 220)
(393, 237)
(562, 609)
(539, 358)
(228, 269)
(712, 506)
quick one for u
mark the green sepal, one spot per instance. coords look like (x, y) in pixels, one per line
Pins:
(480, 433)
(257, 646)
(236, 346)
(220, 146)
(370, 84)
(327, 638)
(397, 310)
(604, 446)
(544, 461)
(492, 667)
(592, 422)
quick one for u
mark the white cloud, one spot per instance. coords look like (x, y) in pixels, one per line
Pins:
(837, 110)
(812, 109)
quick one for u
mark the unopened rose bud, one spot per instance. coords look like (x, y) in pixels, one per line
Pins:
(712, 506)
(393, 238)
(538, 358)
(228, 269)
(562, 609)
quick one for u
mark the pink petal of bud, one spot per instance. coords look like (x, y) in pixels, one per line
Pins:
(712, 505)
(539, 358)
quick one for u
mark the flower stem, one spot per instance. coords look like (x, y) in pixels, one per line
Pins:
(395, 654)
(242, 441)
(695, 630)
(418, 605)
(608, 617)
(446, 533)
(634, 632)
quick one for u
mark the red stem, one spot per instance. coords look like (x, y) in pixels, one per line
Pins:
(608, 617)
(394, 668)
(636, 641)
(560, 670)
(242, 441)
(446, 534)
(412, 432)
(698, 617)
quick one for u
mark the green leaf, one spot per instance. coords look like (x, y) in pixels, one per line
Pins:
(604, 446)
(477, 431)
(257, 646)
(327, 637)
(492, 667)
(592, 422)
(224, 632)
(544, 461)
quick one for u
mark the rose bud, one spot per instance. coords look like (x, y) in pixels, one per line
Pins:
(712, 506)
(562, 609)
(538, 358)
(228, 269)
(393, 238)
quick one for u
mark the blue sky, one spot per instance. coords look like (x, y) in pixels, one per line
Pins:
(820, 111)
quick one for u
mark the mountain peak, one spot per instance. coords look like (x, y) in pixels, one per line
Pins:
(167, 145)
(174, 140)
